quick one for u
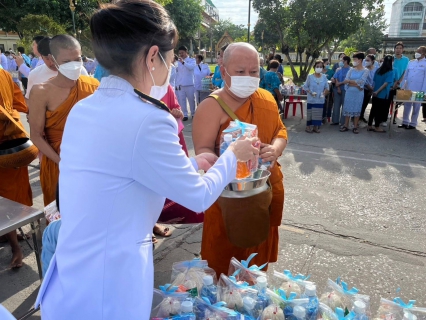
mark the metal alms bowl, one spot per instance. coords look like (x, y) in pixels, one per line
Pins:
(255, 180)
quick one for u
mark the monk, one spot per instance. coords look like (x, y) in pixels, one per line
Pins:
(51, 102)
(14, 182)
(251, 105)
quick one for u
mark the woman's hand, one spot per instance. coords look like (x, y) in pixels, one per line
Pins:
(177, 113)
(205, 160)
(243, 148)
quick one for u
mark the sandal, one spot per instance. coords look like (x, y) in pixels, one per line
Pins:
(344, 129)
(370, 129)
(379, 131)
(355, 130)
(308, 130)
(162, 232)
(317, 130)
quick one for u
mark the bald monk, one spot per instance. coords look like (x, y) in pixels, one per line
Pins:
(51, 102)
(14, 182)
(251, 105)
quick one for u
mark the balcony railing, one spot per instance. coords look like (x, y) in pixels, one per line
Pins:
(413, 14)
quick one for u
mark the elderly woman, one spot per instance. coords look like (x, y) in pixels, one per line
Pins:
(116, 174)
(354, 82)
(271, 82)
(316, 86)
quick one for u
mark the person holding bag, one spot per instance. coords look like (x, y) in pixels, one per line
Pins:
(242, 99)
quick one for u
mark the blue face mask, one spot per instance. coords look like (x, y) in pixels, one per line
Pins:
(341, 64)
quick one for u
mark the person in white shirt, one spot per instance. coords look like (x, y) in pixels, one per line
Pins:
(12, 67)
(374, 53)
(201, 71)
(173, 72)
(3, 59)
(185, 90)
(113, 186)
(89, 64)
(45, 71)
(23, 68)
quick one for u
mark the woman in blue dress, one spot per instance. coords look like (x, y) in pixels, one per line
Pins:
(354, 82)
(316, 86)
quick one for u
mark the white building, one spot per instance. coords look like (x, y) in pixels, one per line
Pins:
(408, 19)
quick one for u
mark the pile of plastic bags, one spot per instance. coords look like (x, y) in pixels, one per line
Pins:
(248, 293)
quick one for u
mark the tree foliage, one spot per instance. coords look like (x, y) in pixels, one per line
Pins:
(263, 38)
(187, 16)
(309, 25)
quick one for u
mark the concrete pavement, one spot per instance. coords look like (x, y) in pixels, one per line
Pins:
(354, 208)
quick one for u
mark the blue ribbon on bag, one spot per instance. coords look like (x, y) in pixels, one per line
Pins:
(283, 295)
(296, 277)
(341, 314)
(243, 285)
(254, 267)
(221, 305)
(239, 126)
(344, 286)
(192, 263)
(404, 305)
(168, 288)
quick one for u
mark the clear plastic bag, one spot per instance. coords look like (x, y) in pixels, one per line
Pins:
(289, 283)
(51, 212)
(232, 292)
(242, 272)
(337, 295)
(188, 275)
(272, 312)
(291, 303)
(238, 129)
(171, 301)
(398, 309)
(326, 313)
(203, 309)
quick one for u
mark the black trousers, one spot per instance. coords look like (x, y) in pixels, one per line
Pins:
(24, 82)
(392, 94)
(367, 96)
(424, 110)
(376, 112)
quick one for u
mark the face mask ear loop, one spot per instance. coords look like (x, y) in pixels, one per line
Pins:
(150, 74)
(54, 60)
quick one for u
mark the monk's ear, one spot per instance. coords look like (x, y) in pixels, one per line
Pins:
(222, 71)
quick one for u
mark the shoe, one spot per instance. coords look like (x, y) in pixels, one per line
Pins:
(363, 120)
(384, 124)
(394, 122)
(410, 128)
(403, 126)
(185, 119)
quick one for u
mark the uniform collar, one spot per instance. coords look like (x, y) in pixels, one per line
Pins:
(116, 84)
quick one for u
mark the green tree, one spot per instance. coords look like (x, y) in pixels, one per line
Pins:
(309, 25)
(264, 38)
(187, 16)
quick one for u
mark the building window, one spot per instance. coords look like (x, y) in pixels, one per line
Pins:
(410, 26)
(424, 26)
(413, 7)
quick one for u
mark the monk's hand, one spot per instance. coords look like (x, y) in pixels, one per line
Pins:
(244, 148)
(268, 153)
(205, 160)
(177, 113)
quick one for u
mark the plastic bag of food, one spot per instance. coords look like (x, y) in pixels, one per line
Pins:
(188, 275)
(232, 292)
(326, 313)
(203, 309)
(242, 272)
(290, 302)
(171, 301)
(337, 295)
(272, 312)
(51, 212)
(234, 131)
(289, 283)
(398, 309)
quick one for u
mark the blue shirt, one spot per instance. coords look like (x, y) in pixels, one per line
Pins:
(34, 62)
(100, 72)
(281, 69)
(217, 77)
(272, 82)
(317, 85)
(370, 78)
(399, 66)
(262, 74)
(340, 75)
(379, 80)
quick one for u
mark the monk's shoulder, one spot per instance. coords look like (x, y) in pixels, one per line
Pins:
(89, 83)
(266, 100)
(6, 78)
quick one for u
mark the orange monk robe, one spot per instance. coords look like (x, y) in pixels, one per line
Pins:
(54, 129)
(260, 109)
(14, 182)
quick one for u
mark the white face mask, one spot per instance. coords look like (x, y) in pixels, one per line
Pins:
(71, 70)
(417, 55)
(243, 86)
(367, 63)
(318, 70)
(158, 92)
(355, 63)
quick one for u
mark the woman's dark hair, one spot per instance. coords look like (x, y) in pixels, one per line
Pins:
(359, 55)
(125, 31)
(347, 59)
(399, 44)
(278, 58)
(386, 65)
(371, 56)
(200, 56)
(274, 64)
(318, 62)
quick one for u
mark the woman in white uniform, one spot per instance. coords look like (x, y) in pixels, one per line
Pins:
(120, 159)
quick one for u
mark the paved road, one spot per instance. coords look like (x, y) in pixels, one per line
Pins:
(354, 208)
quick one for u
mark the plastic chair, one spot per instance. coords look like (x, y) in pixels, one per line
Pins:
(295, 103)
(5, 315)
